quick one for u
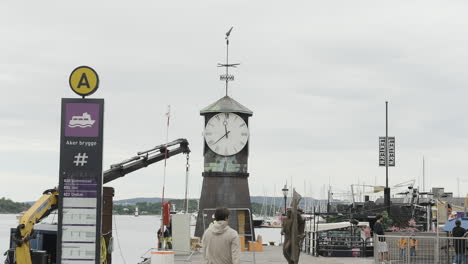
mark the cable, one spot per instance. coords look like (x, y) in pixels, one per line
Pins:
(53, 218)
(118, 241)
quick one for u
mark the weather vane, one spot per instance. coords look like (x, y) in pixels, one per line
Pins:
(227, 77)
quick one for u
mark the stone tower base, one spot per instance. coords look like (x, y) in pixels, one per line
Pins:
(226, 190)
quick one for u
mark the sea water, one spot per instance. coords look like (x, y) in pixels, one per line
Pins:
(133, 236)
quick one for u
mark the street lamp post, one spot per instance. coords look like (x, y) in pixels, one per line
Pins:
(285, 194)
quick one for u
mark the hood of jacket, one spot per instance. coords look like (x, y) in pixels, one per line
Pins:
(219, 227)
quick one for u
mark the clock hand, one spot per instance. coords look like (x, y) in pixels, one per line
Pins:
(225, 129)
(225, 135)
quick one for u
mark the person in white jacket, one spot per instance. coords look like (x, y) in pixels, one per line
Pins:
(221, 243)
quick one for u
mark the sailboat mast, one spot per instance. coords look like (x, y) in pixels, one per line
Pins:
(274, 200)
(424, 176)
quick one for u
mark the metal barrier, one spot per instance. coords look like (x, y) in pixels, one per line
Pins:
(336, 245)
(341, 246)
(420, 249)
(307, 244)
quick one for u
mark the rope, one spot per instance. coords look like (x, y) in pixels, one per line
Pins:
(118, 241)
(187, 168)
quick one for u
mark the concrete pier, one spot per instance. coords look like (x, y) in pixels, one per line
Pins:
(274, 254)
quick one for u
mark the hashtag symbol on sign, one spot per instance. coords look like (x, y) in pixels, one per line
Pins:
(80, 159)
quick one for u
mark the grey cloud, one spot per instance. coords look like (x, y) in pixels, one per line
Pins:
(316, 75)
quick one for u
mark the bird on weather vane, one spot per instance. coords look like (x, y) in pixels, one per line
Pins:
(227, 77)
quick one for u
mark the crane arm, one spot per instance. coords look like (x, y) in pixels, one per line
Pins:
(49, 200)
(24, 232)
(145, 158)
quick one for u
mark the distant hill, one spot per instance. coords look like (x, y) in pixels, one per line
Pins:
(7, 206)
(133, 201)
(260, 204)
(267, 200)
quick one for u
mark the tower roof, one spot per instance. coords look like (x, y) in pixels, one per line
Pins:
(226, 105)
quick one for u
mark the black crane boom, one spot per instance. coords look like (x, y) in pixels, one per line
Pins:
(145, 158)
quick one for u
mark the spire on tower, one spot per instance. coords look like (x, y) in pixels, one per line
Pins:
(227, 77)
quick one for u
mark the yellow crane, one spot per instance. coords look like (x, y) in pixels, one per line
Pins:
(49, 199)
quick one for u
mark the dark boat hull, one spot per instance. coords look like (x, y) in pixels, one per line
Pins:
(257, 223)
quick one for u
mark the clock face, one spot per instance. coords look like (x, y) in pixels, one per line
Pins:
(226, 134)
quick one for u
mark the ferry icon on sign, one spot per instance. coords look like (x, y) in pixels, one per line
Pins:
(81, 121)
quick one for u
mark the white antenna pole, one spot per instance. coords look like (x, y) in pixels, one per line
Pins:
(168, 114)
(187, 167)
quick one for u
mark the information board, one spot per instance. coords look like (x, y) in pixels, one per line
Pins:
(80, 181)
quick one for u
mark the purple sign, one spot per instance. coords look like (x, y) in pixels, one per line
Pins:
(80, 181)
(81, 120)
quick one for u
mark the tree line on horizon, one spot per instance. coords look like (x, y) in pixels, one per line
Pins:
(7, 206)
(147, 208)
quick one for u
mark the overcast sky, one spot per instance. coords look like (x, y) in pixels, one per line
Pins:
(316, 74)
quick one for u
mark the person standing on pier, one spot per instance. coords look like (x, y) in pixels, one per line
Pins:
(403, 245)
(381, 244)
(220, 242)
(459, 243)
(413, 243)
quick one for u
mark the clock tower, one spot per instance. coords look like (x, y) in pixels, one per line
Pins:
(226, 150)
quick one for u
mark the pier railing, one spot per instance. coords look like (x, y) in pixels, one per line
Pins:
(337, 245)
(420, 249)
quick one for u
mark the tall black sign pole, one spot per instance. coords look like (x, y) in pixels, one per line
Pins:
(386, 144)
(387, 189)
(80, 175)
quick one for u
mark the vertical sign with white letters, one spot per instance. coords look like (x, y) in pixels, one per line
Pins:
(391, 151)
(381, 151)
(80, 183)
